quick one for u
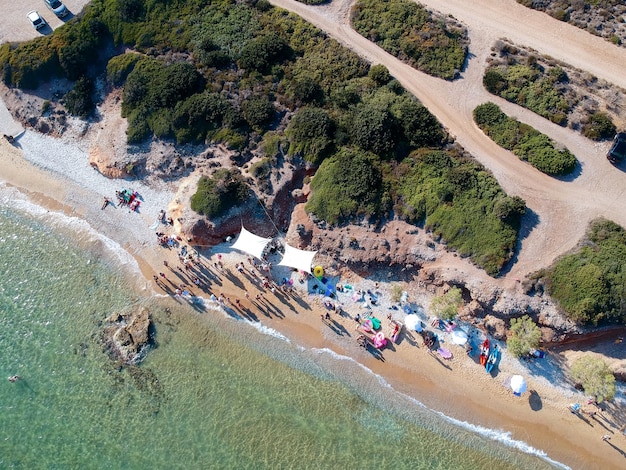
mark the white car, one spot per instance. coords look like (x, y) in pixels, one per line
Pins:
(57, 7)
(37, 21)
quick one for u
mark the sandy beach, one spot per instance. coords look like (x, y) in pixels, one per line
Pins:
(459, 387)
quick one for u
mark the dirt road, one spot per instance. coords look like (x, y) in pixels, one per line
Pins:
(559, 209)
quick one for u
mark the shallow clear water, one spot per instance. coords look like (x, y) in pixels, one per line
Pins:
(214, 393)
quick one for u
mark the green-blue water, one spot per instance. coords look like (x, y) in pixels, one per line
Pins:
(214, 393)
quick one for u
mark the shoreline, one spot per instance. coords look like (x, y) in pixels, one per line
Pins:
(459, 388)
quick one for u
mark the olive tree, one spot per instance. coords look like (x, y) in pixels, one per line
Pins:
(595, 376)
(524, 337)
(447, 306)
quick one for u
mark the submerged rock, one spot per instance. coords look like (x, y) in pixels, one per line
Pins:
(126, 335)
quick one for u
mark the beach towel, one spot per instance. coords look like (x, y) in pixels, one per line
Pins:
(443, 352)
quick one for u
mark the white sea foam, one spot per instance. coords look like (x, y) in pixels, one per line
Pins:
(14, 199)
(497, 435)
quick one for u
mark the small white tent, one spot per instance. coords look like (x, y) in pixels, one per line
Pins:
(250, 243)
(298, 259)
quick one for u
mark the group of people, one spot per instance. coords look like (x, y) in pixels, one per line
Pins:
(129, 198)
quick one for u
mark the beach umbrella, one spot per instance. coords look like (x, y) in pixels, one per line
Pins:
(518, 384)
(458, 337)
(412, 322)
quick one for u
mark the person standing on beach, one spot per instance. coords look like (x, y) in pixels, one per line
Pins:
(606, 438)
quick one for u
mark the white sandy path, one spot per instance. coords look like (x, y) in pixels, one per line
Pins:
(563, 209)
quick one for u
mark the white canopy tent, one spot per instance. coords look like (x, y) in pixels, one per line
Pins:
(250, 243)
(298, 259)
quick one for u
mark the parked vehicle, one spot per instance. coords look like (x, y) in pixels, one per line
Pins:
(617, 152)
(57, 7)
(36, 20)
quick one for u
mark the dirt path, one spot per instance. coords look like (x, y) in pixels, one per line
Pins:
(559, 209)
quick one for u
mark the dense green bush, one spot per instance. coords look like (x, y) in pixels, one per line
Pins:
(457, 199)
(262, 52)
(531, 86)
(120, 66)
(346, 185)
(525, 336)
(599, 126)
(596, 377)
(411, 33)
(258, 111)
(152, 89)
(447, 306)
(380, 74)
(524, 141)
(310, 134)
(79, 100)
(216, 195)
(590, 283)
(374, 128)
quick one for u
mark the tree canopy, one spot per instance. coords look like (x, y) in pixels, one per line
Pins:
(447, 306)
(595, 376)
(525, 336)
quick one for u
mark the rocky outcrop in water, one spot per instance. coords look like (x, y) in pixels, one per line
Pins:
(127, 335)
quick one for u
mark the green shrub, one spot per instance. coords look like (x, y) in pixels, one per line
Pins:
(595, 376)
(524, 141)
(525, 336)
(447, 306)
(258, 112)
(374, 128)
(79, 100)
(589, 283)
(540, 89)
(379, 74)
(346, 185)
(234, 140)
(310, 134)
(306, 90)
(599, 126)
(261, 53)
(216, 195)
(420, 127)
(455, 198)
(413, 34)
(120, 66)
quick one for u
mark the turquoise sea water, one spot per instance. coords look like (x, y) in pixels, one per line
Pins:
(214, 393)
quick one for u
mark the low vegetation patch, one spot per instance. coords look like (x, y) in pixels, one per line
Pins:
(590, 283)
(524, 141)
(433, 44)
(556, 91)
(219, 193)
(604, 18)
(461, 202)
